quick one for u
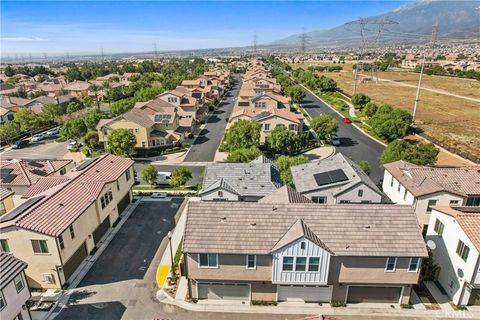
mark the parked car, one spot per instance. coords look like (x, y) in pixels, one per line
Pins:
(19, 144)
(73, 144)
(38, 137)
(346, 120)
(334, 140)
(53, 132)
(163, 177)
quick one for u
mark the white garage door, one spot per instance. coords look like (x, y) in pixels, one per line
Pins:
(223, 291)
(304, 293)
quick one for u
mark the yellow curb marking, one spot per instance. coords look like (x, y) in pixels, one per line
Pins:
(162, 274)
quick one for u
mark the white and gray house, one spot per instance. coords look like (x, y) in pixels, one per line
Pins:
(14, 291)
(240, 181)
(335, 180)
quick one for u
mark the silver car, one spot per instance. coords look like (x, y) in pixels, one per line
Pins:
(334, 140)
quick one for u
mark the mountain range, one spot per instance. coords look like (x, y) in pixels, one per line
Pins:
(413, 23)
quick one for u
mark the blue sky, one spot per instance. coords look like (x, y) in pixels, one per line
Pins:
(35, 27)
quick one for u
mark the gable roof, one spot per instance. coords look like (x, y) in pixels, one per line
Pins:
(304, 175)
(379, 230)
(5, 193)
(27, 172)
(285, 194)
(423, 180)
(10, 266)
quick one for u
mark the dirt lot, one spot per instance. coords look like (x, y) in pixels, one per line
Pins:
(452, 121)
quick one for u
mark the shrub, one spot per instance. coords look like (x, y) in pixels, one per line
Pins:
(264, 303)
(406, 306)
(336, 304)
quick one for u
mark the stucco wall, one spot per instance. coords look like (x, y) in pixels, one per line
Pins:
(15, 300)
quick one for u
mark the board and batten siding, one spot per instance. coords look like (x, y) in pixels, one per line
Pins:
(301, 277)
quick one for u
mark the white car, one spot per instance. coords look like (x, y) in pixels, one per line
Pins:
(53, 132)
(38, 137)
(334, 140)
(163, 177)
(72, 144)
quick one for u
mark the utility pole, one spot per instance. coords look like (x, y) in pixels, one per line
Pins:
(155, 50)
(417, 95)
(255, 44)
(67, 56)
(303, 41)
(102, 54)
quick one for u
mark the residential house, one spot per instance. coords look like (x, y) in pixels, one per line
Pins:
(188, 106)
(260, 84)
(154, 123)
(270, 119)
(262, 101)
(64, 218)
(239, 181)
(37, 104)
(6, 200)
(454, 237)
(302, 252)
(78, 89)
(335, 180)
(14, 291)
(425, 186)
(19, 175)
(7, 115)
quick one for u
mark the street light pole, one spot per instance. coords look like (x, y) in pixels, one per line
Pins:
(171, 255)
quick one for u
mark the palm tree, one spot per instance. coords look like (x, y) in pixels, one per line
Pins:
(95, 88)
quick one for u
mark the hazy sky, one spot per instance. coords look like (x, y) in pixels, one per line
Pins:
(37, 27)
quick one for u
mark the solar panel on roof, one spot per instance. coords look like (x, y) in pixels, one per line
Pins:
(38, 172)
(337, 175)
(330, 177)
(20, 209)
(86, 164)
(35, 164)
(8, 178)
(4, 172)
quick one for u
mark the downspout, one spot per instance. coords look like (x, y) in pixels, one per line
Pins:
(185, 270)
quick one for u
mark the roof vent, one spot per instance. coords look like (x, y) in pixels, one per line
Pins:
(223, 218)
(274, 208)
(60, 204)
(366, 226)
(347, 246)
(253, 224)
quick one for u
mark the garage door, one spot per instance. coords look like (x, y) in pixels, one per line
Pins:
(75, 260)
(123, 203)
(101, 229)
(374, 294)
(223, 291)
(304, 293)
(474, 298)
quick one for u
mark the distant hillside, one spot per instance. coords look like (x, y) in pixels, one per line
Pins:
(457, 19)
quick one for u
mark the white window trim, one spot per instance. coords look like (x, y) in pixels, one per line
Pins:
(394, 265)
(255, 261)
(418, 264)
(293, 264)
(207, 267)
(20, 277)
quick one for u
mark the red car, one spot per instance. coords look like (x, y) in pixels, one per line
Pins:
(346, 120)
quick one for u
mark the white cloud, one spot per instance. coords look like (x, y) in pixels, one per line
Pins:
(24, 39)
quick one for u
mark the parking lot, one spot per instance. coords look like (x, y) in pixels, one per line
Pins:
(45, 149)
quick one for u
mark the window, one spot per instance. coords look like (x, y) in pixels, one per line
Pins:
(106, 198)
(251, 261)
(72, 232)
(414, 264)
(319, 199)
(291, 127)
(2, 208)
(18, 281)
(60, 242)
(360, 193)
(391, 182)
(462, 250)
(405, 195)
(344, 201)
(287, 264)
(391, 264)
(208, 260)
(438, 228)
(260, 105)
(40, 246)
(300, 264)
(430, 204)
(127, 173)
(473, 201)
(266, 126)
(302, 245)
(3, 303)
(4, 245)
(220, 194)
(454, 201)
(399, 186)
(313, 264)
(118, 186)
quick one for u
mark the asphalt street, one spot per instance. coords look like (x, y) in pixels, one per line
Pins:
(354, 143)
(46, 149)
(196, 172)
(208, 140)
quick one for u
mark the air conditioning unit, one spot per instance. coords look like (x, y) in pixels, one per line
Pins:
(49, 278)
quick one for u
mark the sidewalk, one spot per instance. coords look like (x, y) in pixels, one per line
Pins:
(320, 153)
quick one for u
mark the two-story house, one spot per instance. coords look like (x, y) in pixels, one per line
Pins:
(14, 291)
(64, 218)
(188, 106)
(336, 179)
(302, 252)
(455, 232)
(425, 186)
(263, 101)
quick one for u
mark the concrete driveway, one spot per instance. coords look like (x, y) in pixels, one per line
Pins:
(46, 149)
(208, 140)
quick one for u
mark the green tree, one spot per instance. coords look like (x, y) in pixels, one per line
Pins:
(146, 94)
(27, 120)
(242, 134)
(324, 125)
(180, 176)
(90, 139)
(50, 112)
(122, 106)
(73, 129)
(121, 142)
(296, 93)
(365, 166)
(94, 88)
(284, 163)
(149, 174)
(420, 154)
(9, 131)
(370, 109)
(359, 100)
(244, 155)
(93, 117)
(88, 102)
(390, 123)
(281, 140)
(9, 71)
(73, 107)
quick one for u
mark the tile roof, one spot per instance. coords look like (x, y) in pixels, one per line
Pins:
(423, 180)
(77, 86)
(4, 193)
(304, 180)
(265, 114)
(247, 179)
(10, 266)
(347, 230)
(30, 171)
(285, 194)
(468, 218)
(58, 208)
(139, 117)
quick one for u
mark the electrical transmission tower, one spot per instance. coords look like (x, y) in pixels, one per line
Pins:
(155, 51)
(417, 95)
(102, 54)
(366, 32)
(303, 41)
(255, 44)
